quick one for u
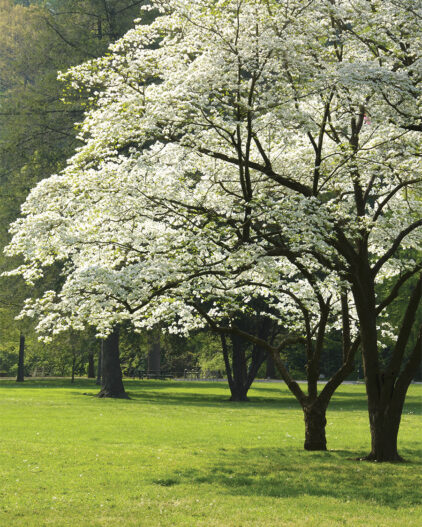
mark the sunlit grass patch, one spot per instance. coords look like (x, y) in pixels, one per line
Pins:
(180, 454)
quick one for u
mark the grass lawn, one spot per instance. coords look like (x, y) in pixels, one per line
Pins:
(179, 454)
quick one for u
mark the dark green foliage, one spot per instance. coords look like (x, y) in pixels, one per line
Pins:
(37, 132)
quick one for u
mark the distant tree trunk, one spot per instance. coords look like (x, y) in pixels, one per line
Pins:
(154, 354)
(100, 364)
(270, 372)
(73, 366)
(21, 373)
(239, 376)
(112, 382)
(91, 366)
(240, 388)
(99, 28)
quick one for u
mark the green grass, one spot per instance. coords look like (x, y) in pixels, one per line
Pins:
(179, 454)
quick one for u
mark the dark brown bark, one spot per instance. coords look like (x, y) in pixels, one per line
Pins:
(91, 366)
(98, 382)
(240, 377)
(239, 370)
(154, 354)
(315, 423)
(386, 390)
(239, 394)
(21, 360)
(270, 368)
(73, 367)
(258, 358)
(384, 425)
(227, 361)
(112, 383)
(385, 414)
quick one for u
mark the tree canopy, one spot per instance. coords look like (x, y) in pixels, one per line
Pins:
(243, 151)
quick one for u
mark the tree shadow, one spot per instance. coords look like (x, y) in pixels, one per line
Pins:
(198, 395)
(173, 393)
(55, 383)
(271, 472)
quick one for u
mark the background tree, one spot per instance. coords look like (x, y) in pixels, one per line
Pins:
(37, 132)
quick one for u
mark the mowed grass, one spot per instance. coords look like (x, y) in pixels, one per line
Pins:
(180, 454)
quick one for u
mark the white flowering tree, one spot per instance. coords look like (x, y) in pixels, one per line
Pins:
(244, 150)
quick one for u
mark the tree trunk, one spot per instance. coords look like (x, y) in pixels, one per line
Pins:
(240, 386)
(258, 357)
(238, 389)
(315, 422)
(73, 367)
(21, 373)
(384, 426)
(154, 354)
(270, 372)
(386, 390)
(91, 366)
(98, 382)
(239, 393)
(112, 383)
(227, 362)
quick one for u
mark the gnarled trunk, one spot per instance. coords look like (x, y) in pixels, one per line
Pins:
(237, 375)
(112, 383)
(238, 389)
(73, 368)
(315, 423)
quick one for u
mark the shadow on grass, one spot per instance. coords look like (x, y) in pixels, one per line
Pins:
(209, 394)
(275, 473)
(62, 383)
(197, 394)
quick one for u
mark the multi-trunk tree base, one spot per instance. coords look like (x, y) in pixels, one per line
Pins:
(239, 375)
(239, 397)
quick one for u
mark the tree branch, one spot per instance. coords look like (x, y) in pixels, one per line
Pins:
(395, 291)
(395, 246)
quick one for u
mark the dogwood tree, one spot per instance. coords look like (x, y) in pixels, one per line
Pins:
(241, 150)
